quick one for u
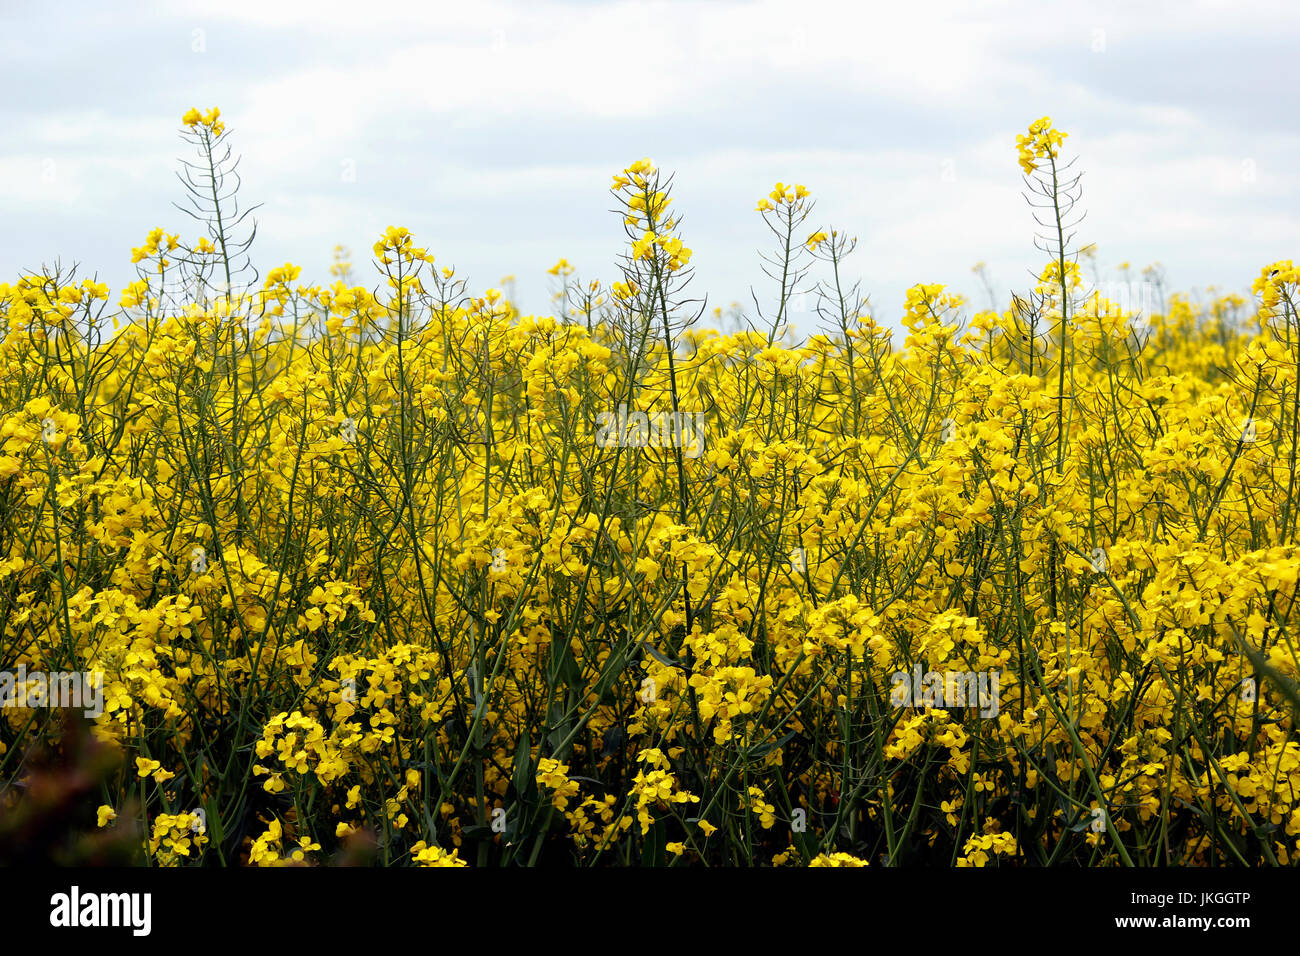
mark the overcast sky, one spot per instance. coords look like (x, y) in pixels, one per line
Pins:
(491, 130)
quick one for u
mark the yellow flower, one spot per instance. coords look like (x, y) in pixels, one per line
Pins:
(837, 859)
(1042, 142)
(209, 120)
(425, 855)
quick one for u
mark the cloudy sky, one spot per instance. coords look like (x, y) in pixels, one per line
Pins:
(491, 130)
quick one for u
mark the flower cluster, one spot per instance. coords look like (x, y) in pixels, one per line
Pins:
(1042, 141)
(209, 121)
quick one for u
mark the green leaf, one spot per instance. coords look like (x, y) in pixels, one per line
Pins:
(522, 777)
(1284, 686)
(652, 849)
(762, 750)
(216, 834)
(564, 667)
(614, 666)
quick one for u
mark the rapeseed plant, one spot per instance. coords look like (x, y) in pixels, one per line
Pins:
(357, 568)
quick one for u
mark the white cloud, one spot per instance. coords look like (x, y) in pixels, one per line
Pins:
(491, 128)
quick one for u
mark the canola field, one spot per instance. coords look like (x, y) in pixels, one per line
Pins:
(382, 571)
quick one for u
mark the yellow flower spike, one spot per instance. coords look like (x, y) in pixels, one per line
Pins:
(210, 120)
(1041, 142)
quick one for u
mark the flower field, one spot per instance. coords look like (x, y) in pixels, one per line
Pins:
(382, 571)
